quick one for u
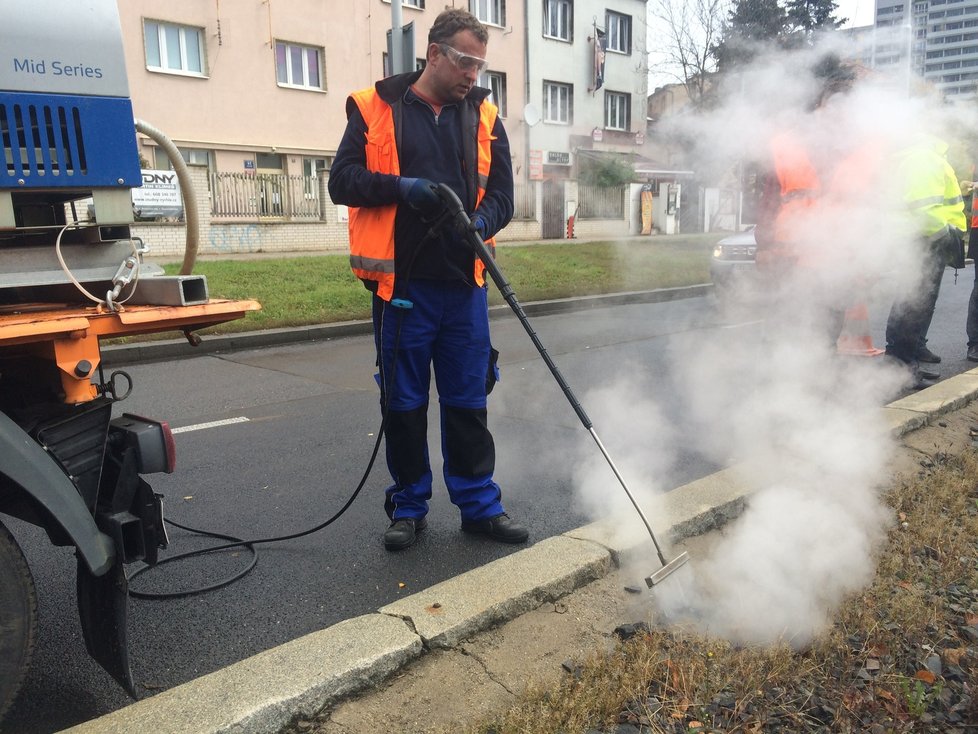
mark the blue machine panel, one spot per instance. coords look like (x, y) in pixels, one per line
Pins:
(62, 141)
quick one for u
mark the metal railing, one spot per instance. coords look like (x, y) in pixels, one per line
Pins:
(598, 202)
(264, 195)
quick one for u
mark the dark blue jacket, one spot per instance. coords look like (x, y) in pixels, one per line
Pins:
(432, 147)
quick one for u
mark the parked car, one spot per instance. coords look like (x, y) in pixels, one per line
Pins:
(732, 268)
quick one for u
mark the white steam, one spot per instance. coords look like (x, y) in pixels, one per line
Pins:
(806, 422)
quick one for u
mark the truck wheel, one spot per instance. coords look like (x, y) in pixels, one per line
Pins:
(18, 618)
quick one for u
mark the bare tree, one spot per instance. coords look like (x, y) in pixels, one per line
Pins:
(684, 36)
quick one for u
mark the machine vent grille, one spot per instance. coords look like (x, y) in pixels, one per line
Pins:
(42, 140)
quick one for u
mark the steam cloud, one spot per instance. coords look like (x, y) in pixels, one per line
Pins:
(805, 424)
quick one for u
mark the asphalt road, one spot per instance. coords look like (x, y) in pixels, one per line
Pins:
(311, 420)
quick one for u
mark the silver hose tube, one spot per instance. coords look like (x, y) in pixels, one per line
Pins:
(191, 214)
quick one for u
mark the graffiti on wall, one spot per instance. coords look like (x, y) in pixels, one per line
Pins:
(235, 238)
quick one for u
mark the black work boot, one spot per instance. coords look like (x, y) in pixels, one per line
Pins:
(501, 528)
(402, 533)
(926, 355)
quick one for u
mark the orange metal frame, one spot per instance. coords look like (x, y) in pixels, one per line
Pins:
(69, 336)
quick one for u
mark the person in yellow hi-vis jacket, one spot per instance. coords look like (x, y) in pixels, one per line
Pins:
(932, 195)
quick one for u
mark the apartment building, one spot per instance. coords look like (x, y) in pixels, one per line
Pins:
(934, 39)
(260, 86)
(587, 82)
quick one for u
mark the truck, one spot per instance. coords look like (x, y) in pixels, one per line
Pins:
(73, 274)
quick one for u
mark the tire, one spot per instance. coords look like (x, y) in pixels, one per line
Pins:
(18, 619)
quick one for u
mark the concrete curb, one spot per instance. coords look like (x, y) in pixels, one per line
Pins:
(264, 692)
(168, 349)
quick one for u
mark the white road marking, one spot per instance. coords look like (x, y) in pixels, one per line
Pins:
(211, 424)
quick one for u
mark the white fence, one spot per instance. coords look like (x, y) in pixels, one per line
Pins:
(262, 195)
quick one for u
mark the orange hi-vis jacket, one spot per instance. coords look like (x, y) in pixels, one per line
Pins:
(802, 195)
(372, 228)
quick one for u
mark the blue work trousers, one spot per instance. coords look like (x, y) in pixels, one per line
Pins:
(446, 327)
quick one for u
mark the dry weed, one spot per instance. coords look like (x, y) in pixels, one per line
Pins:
(901, 656)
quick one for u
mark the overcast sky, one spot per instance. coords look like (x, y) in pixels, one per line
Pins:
(859, 12)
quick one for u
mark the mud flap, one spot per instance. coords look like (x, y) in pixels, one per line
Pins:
(103, 606)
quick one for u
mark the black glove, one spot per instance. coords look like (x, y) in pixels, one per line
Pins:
(420, 194)
(949, 247)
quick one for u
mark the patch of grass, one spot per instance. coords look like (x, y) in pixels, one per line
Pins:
(900, 657)
(302, 291)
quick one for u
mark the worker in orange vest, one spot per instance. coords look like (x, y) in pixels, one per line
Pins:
(804, 191)
(406, 135)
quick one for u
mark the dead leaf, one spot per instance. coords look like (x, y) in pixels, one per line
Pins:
(902, 516)
(872, 664)
(401, 584)
(926, 676)
(885, 694)
(953, 655)
(971, 619)
(905, 585)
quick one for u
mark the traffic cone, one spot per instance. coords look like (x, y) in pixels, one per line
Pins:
(855, 339)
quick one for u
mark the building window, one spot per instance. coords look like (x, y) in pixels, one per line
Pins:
(298, 66)
(489, 11)
(311, 168)
(617, 107)
(619, 32)
(558, 19)
(191, 156)
(174, 48)
(558, 100)
(495, 81)
(415, 3)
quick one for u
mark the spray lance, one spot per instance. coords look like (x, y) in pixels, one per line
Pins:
(454, 214)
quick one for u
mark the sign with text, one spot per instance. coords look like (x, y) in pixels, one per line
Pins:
(558, 158)
(159, 196)
(536, 165)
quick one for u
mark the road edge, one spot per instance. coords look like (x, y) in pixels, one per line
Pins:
(265, 692)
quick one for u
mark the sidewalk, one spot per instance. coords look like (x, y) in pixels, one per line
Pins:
(561, 594)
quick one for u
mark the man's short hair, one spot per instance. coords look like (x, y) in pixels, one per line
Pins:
(452, 21)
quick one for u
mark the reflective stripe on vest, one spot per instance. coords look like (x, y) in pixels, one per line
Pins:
(372, 228)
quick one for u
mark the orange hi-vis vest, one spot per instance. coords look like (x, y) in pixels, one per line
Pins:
(805, 194)
(372, 228)
(800, 185)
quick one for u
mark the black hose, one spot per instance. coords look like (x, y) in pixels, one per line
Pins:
(250, 544)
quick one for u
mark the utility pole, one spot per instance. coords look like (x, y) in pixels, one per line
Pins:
(397, 36)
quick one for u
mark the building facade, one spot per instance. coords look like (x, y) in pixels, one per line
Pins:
(260, 86)
(933, 39)
(587, 82)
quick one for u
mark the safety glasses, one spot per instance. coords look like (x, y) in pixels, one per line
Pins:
(463, 61)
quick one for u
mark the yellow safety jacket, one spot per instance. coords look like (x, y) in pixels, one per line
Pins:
(930, 187)
(372, 228)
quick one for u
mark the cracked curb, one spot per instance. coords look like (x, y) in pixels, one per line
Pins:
(265, 692)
